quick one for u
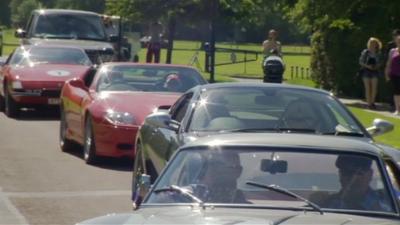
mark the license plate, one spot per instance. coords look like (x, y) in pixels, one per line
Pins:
(53, 101)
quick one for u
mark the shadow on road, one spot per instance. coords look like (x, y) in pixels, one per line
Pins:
(46, 114)
(118, 164)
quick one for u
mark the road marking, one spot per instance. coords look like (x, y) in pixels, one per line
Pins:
(66, 194)
(9, 214)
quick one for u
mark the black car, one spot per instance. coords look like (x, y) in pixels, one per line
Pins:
(248, 108)
(269, 179)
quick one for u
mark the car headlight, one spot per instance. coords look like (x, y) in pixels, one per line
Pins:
(16, 84)
(120, 118)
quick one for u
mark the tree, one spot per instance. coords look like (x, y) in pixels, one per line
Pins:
(340, 30)
(21, 10)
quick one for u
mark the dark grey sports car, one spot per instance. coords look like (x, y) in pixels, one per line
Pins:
(243, 108)
(269, 179)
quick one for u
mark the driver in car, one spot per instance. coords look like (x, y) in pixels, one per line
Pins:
(217, 182)
(173, 83)
(355, 175)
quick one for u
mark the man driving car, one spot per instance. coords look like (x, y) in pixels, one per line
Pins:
(355, 175)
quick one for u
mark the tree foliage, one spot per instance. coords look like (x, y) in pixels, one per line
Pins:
(21, 10)
(340, 30)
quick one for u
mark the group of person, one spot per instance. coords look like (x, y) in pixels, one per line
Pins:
(374, 61)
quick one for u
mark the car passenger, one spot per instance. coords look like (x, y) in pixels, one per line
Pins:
(300, 114)
(173, 83)
(355, 175)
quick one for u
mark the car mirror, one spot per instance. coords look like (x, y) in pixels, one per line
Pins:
(163, 120)
(20, 33)
(143, 187)
(164, 107)
(274, 166)
(113, 38)
(78, 83)
(379, 127)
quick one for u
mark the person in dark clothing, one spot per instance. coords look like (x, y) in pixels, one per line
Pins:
(389, 46)
(154, 45)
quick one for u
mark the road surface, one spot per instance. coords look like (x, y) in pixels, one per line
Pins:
(39, 184)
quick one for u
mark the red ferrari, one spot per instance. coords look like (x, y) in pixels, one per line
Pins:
(34, 75)
(103, 113)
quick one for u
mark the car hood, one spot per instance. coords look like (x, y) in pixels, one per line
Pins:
(49, 72)
(139, 104)
(195, 215)
(84, 44)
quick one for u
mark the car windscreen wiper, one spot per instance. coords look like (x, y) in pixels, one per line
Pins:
(182, 191)
(345, 133)
(279, 130)
(284, 191)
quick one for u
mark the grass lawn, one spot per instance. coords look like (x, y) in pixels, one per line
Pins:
(366, 118)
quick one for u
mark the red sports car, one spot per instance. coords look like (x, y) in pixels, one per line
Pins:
(34, 75)
(104, 113)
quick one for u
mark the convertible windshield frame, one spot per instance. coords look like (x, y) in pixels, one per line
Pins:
(198, 101)
(296, 149)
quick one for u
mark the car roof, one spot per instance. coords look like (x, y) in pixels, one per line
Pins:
(284, 140)
(50, 46)
(148, 64)
(64, 11)
(257, 84)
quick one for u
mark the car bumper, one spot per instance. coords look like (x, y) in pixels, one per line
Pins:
(47, 97)
(115, 141)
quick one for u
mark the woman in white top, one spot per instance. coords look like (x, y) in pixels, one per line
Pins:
(272, 44)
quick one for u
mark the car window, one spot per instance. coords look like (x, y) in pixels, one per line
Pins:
(180, 109)
(52, 55)
(69, 26)
(337, 181)
(148, 78)
(270, 108)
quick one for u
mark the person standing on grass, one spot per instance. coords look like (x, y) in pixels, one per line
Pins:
(154, 45)
(272, 44)
(392, 73)
(370, 62)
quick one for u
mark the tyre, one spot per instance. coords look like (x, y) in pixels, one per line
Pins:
(11, 108)
(65, 144)
(2, 104)
(89, 147)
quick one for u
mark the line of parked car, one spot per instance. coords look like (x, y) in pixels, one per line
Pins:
(228, 153)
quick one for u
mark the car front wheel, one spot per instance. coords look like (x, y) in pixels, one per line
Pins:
(65, 144)
(11, 107)
(89, 148)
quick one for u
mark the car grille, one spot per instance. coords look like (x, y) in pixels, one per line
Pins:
(51, 93)
(100, 56)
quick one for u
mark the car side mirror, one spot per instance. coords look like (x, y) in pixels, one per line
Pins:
(163, 120)
(20, 33)
(379, 127)
(274, 166)
(78, 83)
(113, 38)
(142, 188)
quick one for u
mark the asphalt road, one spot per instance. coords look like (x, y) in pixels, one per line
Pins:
(39, 184)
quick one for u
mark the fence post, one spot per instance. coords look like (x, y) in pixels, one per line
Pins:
(308, 73)
(291, 72)
(302, 72)
(297, 71)
(1, 42)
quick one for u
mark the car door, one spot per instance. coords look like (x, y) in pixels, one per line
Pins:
(165, 140)
(77, 97)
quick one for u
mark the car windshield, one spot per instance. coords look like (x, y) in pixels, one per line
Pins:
(50, 55)
(148, 78)
(74, 26)
(271, 108)
(230, 175)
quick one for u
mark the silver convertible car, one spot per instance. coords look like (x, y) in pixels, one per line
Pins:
(283, 179)
(248, 108)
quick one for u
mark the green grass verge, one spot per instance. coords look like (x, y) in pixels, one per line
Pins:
(222, 73)
(366, 119)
